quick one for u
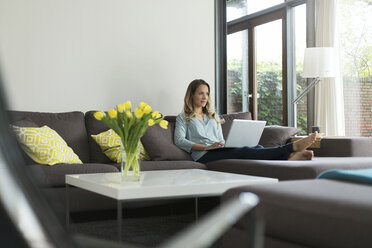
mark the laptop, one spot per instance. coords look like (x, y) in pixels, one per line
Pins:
(243, 133)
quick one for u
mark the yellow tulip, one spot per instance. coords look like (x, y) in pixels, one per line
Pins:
(163, 124)
(155, 114)
(127, 105)
(138, 113)
(121, 108)
(147, 109)
(112, 113)
(150, 122)
(99, 115)
(128, 114)
(142, 105)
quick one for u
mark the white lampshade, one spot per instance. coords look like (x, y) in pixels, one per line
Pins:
(319, 62)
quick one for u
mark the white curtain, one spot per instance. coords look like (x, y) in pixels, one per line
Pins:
(329, 97)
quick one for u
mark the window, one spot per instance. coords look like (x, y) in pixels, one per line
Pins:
(355, 30)
(235, 9)
(269, 72)
(247, 63)
(239, 8)
(256, 65)
(237, 72)
(258, 68)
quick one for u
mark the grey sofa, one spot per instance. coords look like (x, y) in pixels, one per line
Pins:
(76, 127)
(309, 213)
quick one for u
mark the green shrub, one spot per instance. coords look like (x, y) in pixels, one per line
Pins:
(269, 92)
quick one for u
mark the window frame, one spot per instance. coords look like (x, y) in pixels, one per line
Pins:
(223, 28)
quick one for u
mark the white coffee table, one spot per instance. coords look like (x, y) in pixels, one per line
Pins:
(161, 184)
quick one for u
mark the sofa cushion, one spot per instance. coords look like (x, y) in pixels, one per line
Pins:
(27, 122)
(315, 213)
(45, 146)
(54, 176)
(344, 147)
(289, 169)
(228, 119)
(277, 135)
(159, 143)
(95, 127)
(70, 126)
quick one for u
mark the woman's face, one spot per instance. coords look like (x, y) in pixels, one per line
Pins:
(200, 97)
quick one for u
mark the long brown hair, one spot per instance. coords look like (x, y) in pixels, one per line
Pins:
(188, 107)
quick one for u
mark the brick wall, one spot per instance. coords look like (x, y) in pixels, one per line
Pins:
(358, 106)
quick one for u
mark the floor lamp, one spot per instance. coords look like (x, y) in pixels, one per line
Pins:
(319, 62)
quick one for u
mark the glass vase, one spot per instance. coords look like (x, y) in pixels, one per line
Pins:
(130, 166)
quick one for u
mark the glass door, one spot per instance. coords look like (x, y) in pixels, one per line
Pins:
(259, 63)
(269, 72)
(237, 72)
(257, 69)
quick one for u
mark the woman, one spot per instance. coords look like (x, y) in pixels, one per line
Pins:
(198, 129)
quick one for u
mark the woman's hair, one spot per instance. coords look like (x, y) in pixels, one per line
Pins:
(188, 108)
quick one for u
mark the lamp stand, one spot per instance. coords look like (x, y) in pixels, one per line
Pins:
(307, 89)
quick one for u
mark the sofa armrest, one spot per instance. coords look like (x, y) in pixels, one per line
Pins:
(344, 147)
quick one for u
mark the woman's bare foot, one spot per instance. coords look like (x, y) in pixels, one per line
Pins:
(302, 144)
(303, 155)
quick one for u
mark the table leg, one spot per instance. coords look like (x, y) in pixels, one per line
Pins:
(67, 206)
(120, 217)
(196, 209)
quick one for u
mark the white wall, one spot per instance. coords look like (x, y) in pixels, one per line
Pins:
(65, 55)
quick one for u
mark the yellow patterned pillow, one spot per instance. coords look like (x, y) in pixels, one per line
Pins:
(45, 146)
(109, 142)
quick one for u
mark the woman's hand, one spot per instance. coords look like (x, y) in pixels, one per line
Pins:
(199, 147)
(215, 145)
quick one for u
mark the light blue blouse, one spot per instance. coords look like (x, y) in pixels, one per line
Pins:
(196, 131)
